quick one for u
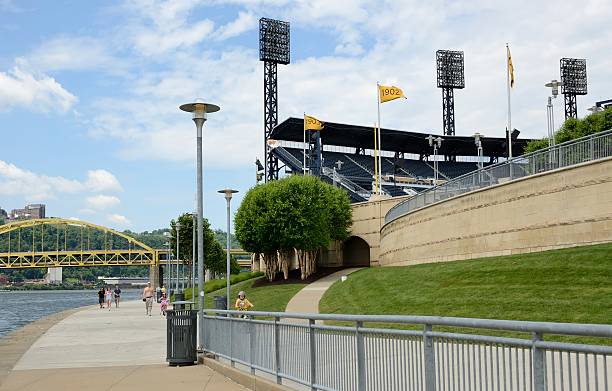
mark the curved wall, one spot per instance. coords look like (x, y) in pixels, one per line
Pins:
(561, 208)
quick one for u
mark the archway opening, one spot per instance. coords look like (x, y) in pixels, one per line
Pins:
(355, 252)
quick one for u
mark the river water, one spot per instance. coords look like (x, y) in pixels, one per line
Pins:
(18, 308)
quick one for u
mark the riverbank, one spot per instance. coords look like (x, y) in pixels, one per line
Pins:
(14, 345)
(93, 349)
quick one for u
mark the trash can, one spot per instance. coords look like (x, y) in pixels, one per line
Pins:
(180, 296)
(220, 302)
(158, 295)
(181, 337)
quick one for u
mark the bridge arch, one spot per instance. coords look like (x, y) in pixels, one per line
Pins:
(108, 247)
(355, 252)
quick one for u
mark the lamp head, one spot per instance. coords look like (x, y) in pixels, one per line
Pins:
(228, 193)
(199, 108)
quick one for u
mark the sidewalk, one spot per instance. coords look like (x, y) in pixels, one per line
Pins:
(307, 299)
(98, 349)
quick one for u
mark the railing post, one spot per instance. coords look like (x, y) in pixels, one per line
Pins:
(539, 374)
(313, 354)
(251, 344)
(429, 359)
(231, 347)
(361, 365)
(277, 350)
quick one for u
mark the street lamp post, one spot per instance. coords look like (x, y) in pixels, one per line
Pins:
(554, 89)
(436, 143)
(228, 197)
(177, 226)
(199, 110)
(194, 216)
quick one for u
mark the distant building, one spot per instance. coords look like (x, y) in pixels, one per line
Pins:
(3, 216)
(32, 211)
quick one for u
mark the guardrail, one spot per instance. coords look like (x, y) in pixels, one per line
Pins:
(324, 357)
(588, 148)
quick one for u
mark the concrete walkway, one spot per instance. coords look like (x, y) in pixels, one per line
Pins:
(307, 299)
(98, 349)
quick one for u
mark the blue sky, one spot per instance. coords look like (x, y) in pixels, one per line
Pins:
(89, 91)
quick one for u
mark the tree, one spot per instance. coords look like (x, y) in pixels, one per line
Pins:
(574, 128)
(297, 213)
(214, 254)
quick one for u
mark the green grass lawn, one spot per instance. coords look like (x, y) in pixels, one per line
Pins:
(570, 285)
(264, 298)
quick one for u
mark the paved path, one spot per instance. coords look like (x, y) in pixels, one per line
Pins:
(307, 299)
(97, 349)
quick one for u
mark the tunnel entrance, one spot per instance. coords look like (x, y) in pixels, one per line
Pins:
(355, 252)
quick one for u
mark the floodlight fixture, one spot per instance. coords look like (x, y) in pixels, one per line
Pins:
(450, 75)
(574, 79)
(274, 41)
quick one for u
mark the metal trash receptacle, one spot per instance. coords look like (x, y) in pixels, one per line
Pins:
(220, 302)
(181, 337)
(179, 296)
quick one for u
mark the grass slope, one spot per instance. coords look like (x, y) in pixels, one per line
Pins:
(264, 298)
(570, 285)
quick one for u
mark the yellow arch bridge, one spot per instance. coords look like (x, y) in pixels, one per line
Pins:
(56, 242)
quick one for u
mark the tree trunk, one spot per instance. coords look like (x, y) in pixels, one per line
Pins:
(271, 259)
(283, 261)
(308, 263)
(301, 263)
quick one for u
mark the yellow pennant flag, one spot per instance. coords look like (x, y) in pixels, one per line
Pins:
(311, 123)
(388, 93)
(510, 68)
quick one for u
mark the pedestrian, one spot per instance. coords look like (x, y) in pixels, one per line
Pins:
(163, 306)
(101, 297)
(242, 303)
(117, 293)
(147, 297)
(108, 296)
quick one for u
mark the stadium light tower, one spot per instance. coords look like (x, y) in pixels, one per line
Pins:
(574, 79)
(274, 49)
(450, 75)
(554, 87)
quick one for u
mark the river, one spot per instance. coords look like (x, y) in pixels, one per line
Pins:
(18, 308)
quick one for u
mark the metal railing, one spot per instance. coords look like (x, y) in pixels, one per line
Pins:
(347, 184)
(324, 357)
(588, 148)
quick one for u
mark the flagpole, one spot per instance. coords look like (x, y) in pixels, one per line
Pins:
(378, 189)
(375, 161)
(509, 103)
(509, 107)
(304, 146)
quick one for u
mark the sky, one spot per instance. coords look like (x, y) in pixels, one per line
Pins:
(89, 90)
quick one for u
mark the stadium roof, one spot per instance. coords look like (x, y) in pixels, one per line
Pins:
(356, 136)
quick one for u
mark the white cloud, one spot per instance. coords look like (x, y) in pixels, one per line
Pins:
(102, 180)
(38, 187)
(102, 201)
(244, 22)
(21, 87)
(73, 53)
(118, 219)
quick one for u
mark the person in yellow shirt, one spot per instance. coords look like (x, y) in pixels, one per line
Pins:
(242, 303)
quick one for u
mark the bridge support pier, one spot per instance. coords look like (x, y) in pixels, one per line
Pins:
(155, 276)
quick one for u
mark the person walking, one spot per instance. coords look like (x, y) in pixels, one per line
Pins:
(242, 303)
(101, 297)
(147, 297)
(117, 294)
(108, 296)
(163, 306)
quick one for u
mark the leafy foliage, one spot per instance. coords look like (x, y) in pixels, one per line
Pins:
(575, 128)
(297, 212)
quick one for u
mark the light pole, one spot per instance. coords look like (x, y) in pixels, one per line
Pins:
(194, 216)
(435, 142)
(478, 141)
(168, 278)
(228, 197)
(177, 226)
(554, 89)
(199, 110)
